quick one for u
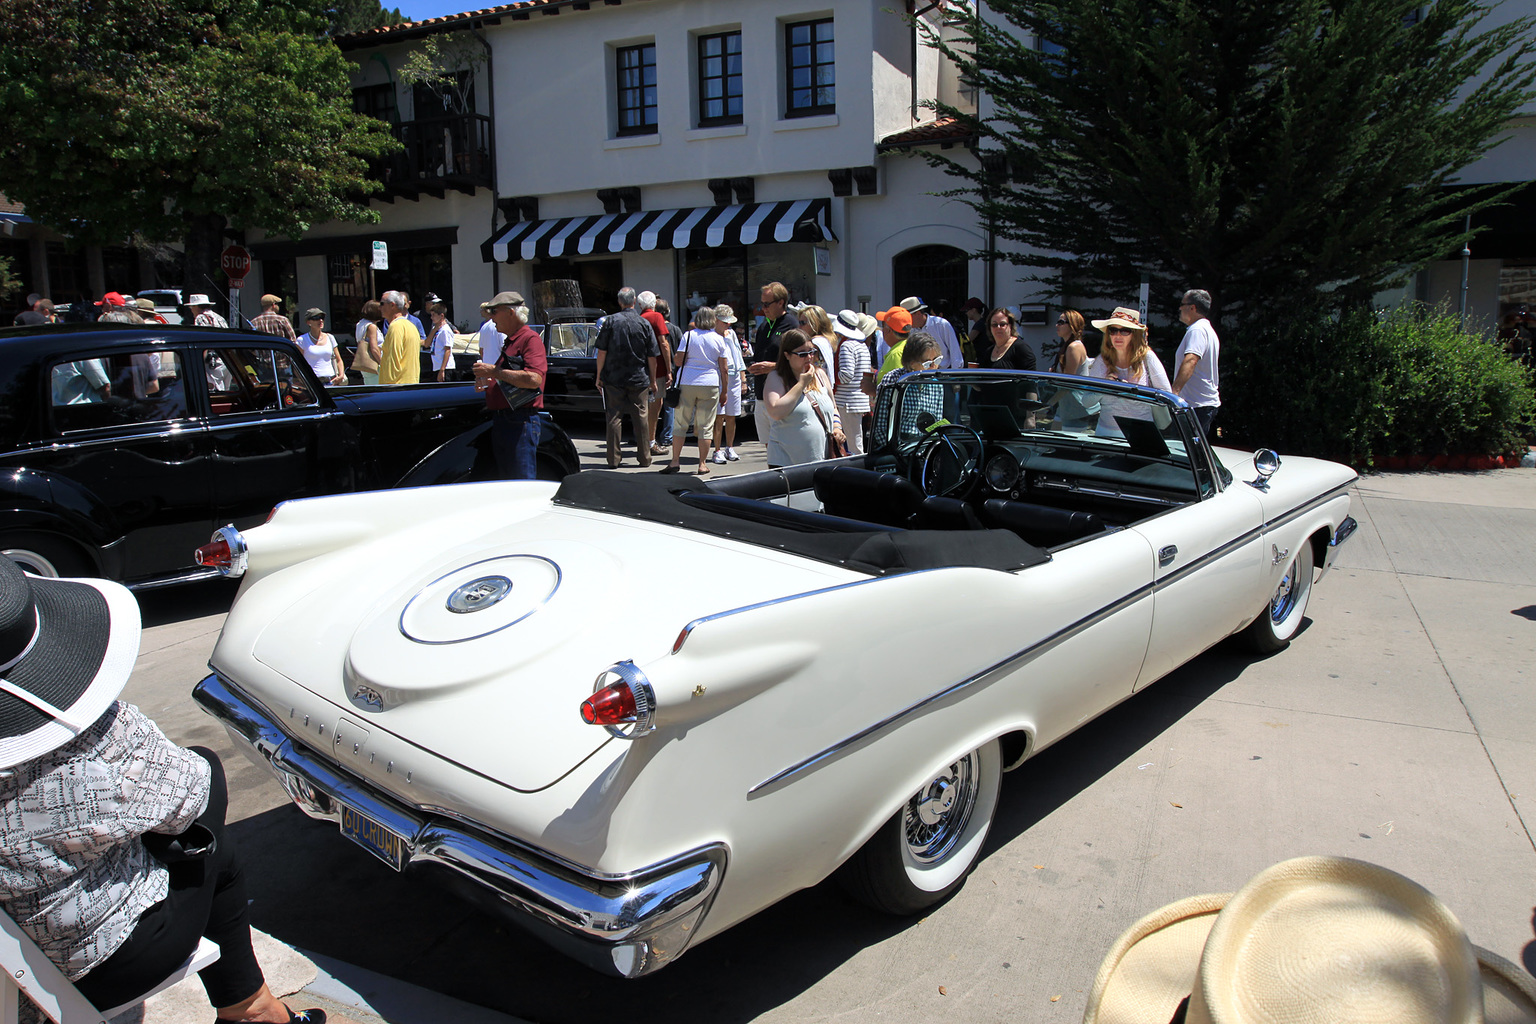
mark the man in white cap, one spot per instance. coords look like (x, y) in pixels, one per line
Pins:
(941, 330)
(203, 314)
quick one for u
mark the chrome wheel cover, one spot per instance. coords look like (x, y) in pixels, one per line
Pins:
(1284, 601)
(936, 816)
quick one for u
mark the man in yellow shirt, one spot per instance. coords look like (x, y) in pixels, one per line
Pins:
(402, 345)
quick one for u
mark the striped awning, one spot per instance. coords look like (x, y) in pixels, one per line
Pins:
(698, 227)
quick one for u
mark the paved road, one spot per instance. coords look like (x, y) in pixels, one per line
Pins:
(1398, 728)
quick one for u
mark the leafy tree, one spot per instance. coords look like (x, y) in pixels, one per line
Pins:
(344, 17)
(10, 284)
(447, 65)
(1274, 152)
(173, 119)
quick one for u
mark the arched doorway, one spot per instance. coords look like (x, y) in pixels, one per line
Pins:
(938, 274)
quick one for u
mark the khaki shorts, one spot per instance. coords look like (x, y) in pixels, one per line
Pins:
(697, 407)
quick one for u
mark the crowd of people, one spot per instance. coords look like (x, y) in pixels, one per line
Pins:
(812, 373)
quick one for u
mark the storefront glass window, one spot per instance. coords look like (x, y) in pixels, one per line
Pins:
(736, 275)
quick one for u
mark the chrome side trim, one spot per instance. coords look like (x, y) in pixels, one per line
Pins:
(190, 576)
(1040, 647)
(687, 630)
(1345, 531)
(606, 920)
(1046, 644)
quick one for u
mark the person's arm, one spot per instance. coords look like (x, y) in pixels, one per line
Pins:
(1156, 375)
(1186, 371)
(720, 368)
(602, 357)
(780, 401)
(336, 363)
(532, 373)
(375, 347)
(680, 356)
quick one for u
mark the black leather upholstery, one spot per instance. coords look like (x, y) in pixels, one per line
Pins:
(1041, 525)
(938, 513)
(863, 494)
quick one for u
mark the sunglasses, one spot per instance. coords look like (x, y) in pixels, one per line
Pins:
(1120, 330)
(1061, 322)
(806, 353)
(932, 364)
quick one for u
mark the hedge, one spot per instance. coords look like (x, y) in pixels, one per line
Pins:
(1364, 386)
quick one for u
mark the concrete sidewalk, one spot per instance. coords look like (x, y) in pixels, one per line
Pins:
(1398, 728)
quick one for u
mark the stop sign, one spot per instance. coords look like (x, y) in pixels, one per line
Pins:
(236, 262)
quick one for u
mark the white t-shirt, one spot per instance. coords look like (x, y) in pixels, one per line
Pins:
(491, 342)
(442, 349)
(318, 353)
(1203, 386)
(949, 345)
(705, 349)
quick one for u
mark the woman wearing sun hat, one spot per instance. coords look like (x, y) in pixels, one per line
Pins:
(95, 803)
(735, 385)
(1124, 357)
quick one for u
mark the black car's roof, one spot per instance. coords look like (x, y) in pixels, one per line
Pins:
(32, 343)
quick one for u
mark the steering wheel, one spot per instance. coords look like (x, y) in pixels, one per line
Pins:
(948, 458)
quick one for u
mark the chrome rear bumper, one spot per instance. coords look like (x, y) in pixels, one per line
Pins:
(627, 925)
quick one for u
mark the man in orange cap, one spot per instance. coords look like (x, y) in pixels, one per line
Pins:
(895, 325)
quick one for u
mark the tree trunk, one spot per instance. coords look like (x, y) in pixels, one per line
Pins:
(200, 259)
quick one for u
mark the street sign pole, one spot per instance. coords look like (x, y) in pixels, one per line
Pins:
(234, 303)
(236, 263)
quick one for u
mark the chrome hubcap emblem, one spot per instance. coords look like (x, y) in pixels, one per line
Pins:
(478, 595)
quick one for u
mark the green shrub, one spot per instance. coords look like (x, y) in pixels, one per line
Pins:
(1365, 385)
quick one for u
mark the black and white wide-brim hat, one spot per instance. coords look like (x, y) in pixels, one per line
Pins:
(66, 649)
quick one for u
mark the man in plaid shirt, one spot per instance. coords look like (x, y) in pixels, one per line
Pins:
(271, 321)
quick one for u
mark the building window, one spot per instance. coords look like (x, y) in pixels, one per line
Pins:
(810, 76)
(720, 79)
(377, 101)
(637, 89)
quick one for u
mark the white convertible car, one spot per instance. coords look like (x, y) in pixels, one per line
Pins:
(639, 709)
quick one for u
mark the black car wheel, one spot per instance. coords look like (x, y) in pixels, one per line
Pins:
(42, 555)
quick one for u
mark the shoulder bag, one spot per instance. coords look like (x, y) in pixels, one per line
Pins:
(675, 389)
(835, 448)
(362, 359)
(516, 397)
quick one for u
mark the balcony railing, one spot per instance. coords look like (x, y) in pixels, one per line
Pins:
(441, 153)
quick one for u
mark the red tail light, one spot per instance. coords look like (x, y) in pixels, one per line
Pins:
(225, 551)
(612, 705)
(629, 700)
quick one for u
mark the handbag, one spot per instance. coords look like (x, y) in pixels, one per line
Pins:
(835, 448)
(674, 392)
(516, 396)
(362, 359)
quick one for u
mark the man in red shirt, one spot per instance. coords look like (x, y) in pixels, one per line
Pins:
(522, 364)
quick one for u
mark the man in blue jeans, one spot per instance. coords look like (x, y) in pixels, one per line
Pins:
(522, 364)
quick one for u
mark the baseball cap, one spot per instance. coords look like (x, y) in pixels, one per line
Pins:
(897, 318)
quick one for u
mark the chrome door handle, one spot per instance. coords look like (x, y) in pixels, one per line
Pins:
(1165, 556)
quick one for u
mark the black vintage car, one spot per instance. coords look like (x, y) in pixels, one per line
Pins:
(570, 343)
(123, 447)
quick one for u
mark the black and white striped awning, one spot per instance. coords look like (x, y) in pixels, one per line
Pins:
(796, 220)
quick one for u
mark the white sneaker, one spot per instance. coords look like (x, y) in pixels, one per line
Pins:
(730, 454)
(718, 458)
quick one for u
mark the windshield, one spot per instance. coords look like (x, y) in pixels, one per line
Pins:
(1016, 407)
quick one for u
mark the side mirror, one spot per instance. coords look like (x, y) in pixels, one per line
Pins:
(1265, 463)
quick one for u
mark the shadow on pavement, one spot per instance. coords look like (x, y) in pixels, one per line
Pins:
(313, 889)
(187, 601)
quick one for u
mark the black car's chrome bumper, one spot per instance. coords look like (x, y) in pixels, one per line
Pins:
(628, 925)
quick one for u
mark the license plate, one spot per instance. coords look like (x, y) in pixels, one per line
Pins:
(373, 837)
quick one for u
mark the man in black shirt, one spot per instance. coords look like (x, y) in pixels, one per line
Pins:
(628, 366)
(765, 345)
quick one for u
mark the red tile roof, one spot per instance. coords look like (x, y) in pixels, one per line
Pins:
(945, 129)
(7, 206)
(449, 22)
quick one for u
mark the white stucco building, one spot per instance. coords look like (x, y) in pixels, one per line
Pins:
(698, 149)
(702, 149)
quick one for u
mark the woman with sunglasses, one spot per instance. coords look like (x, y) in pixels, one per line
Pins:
(797, 396)
(320, 349)
(1124, 357)
(1072, 359)
(1001, 349)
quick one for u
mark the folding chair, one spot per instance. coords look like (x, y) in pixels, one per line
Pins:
(28, 970)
